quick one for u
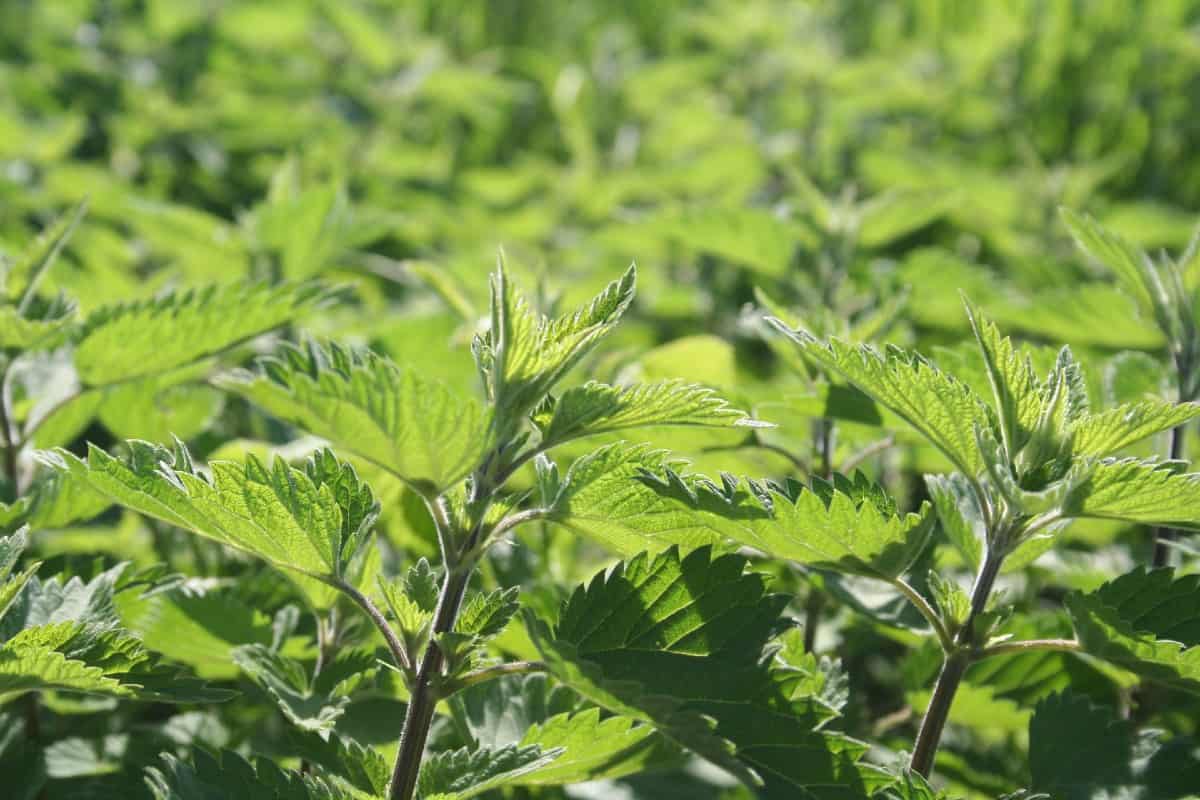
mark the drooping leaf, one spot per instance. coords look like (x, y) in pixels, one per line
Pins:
(288, 684)
(1147, 622)
(308, 520)
(942, 409)
(1080, 751)
(596, 408)
(122, 342)
(524, 354)
(1136, 491)
(11, 585)
(416, 429)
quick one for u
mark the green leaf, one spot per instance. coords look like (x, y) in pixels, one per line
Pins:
(21, 279)
(938, 406)
(1133, 269)
(679, 643)
(414, 428)
(600, 498)
(596, 408)
(118, 343)
(1080, 751)
(595, 749)
(1112, 430)
(11, 548)
(1132, 490)
(310, 520)
(1145, 622)
(1017, 390)
(207, 777)
(847, 524)
(486, 615)
(524, 354)
(287, 682)
(462, 774)
(25, 668)
(42, 325)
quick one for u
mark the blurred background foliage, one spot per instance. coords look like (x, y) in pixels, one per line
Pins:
(847, 165)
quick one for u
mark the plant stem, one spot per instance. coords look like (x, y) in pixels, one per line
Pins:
(389, 635)
(927, 611)
(11, 447)
(1164, 536)
(953, 668)
(812, 617)
(424, 694)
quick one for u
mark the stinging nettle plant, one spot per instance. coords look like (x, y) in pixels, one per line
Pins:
(1027, 464)
(678, 648)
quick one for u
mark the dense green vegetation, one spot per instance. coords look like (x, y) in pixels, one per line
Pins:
(344, 454)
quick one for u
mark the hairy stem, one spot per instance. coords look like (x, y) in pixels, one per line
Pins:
(927, 611)
(10, 447)
(399, 653)
(1164, 536)
(497, 671)
(953, 669)
(424, 693)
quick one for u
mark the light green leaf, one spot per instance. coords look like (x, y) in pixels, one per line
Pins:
(311, 520)
(600, 498)
(596, 408)
(462, 774)
(847, 524)
(118, 343)
(416, 429)
(1110, 431)
(486, 615)
(1132, 490)
(524, 354)
(43, 325)
(21, 279)
(1145, 622)
(1135, 272)
(25, 668)
(939, 407)
(595, 749)
(1016, 387)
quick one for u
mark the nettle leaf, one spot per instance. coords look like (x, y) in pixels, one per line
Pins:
(26, 666)
(1133, 269)
(524, 354)
(486, 615)
(310, 520)
(118, 343)
(1080, 751)
(462, 774)
(678, 642)
(1016, 387)
(595, 749)
(1107, 432)
(941, 408)
(415, 428)
(11, 548)
(228, 775)
(1147, 622)
(43, 324)
(310, 707)
(1133, 490)
(596, 408)
(20, 280)
(601, 498)
(847, 524)
(362, 767)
